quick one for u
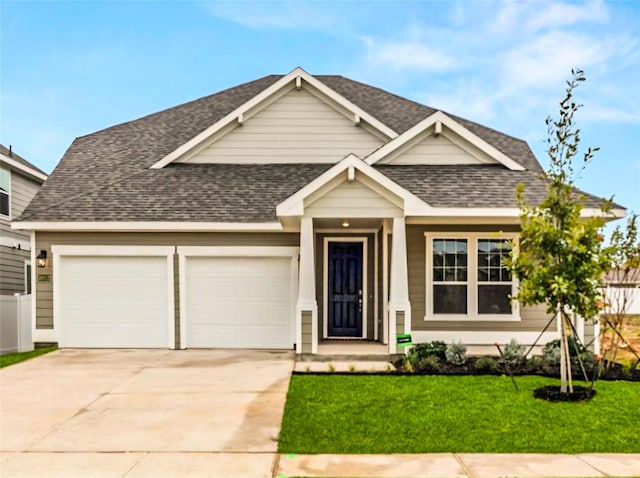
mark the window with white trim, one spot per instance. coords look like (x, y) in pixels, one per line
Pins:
(467, 278)
(5, 192)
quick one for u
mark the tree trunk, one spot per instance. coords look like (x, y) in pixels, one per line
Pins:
(565, 332)
(563, 357)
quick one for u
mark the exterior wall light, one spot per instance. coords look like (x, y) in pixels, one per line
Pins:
(42, 258)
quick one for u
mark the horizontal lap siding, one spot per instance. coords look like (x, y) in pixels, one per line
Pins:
(438, 150)
(11, 258)
(44, 240)
(296, 128)
(12, 270)
(533, 318)
(352, 199)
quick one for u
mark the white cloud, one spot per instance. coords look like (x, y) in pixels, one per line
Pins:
(547, 59)
(410, 55)
(555, 15)
(531, 16)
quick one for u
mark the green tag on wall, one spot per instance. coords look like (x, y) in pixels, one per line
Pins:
(404, 340)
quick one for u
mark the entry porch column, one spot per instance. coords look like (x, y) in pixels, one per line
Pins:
(307, 307)
(399, 306)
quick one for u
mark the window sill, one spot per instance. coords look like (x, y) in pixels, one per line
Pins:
(472, 318)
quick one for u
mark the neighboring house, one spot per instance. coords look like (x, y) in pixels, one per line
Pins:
(19, 183)
(280, 213)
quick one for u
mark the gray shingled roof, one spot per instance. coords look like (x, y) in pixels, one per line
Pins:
(19, 159)
(104, 176)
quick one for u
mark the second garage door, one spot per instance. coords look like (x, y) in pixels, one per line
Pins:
(238, 302)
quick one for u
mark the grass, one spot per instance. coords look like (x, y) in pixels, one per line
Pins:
(10, 359)
(465, 414)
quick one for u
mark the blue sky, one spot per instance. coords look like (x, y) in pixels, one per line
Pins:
(71, 68)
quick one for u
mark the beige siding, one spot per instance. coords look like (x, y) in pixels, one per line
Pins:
(534, 319)
(352, 199)
(12, 270)
(307, 327)
(399, 324)
(44, 240)
(438, 150)
(296, 128)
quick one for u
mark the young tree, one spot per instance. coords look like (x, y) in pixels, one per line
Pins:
(560, 259)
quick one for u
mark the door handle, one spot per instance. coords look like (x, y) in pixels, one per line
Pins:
(360, 300)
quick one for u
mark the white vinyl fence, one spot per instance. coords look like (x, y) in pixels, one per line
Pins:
(614, 295)
(15, 323)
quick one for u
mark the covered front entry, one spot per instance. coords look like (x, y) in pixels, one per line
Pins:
(345, 288)
(351, 205)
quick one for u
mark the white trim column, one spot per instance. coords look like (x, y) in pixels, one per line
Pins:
(399, 282)
(306, 288)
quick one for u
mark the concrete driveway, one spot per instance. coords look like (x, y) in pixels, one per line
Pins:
(138, 413)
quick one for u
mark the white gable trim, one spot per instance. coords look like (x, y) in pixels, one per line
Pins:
(238, 114)
(294, 205)
(21, 167)
(436, 120)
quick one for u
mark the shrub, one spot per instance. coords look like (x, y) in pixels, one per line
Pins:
(512, 353)
(429, 364)
(486, 364)
(536, 364)
(577, 352)
(436, 349)
(456, 354)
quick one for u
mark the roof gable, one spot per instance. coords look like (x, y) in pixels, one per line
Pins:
(295, 79)
(18, 163)
(435, 125)
(295, 126)
(346, 170)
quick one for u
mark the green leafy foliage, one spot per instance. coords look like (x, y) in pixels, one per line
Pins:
(561, 259)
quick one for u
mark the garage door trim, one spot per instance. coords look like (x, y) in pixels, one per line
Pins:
(232, 251)
(59, 251)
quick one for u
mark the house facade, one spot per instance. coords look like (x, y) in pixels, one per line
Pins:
(19, 183)
(283, 213)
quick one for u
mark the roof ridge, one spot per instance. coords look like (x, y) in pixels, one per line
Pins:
(63, 201)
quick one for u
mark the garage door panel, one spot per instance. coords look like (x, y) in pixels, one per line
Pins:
(239, 302)
(111, 301)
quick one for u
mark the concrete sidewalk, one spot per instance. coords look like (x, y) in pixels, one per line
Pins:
(458, 465)
(272, 465)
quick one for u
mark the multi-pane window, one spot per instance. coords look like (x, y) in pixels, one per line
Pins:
(450, 276)
(494, 278)
(467, 277)
(5, 191)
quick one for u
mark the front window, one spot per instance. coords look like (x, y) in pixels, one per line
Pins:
(494, 278)
(450, 276)
(467, 278)
(5, 191)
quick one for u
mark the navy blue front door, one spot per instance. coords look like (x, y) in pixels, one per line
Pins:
(345, 289)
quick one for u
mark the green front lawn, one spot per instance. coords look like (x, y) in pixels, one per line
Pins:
(466, 414)
(11, 359)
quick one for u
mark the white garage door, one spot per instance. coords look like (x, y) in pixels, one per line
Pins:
(113, 301)
(238, 302)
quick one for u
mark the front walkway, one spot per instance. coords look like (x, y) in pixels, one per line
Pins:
(458, 465)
